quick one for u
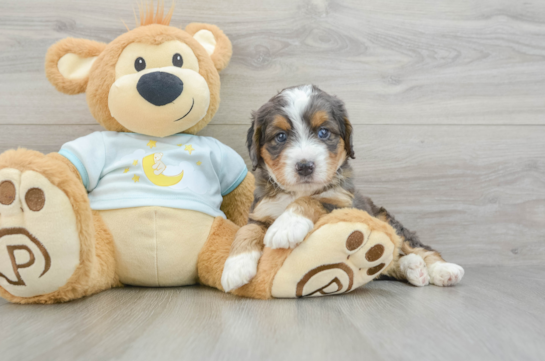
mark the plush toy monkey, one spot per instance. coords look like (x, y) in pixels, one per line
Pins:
(147, 201)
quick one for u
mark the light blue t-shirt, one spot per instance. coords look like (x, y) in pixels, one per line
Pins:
(123, 170)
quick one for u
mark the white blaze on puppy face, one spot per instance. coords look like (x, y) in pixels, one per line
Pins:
(304, 145)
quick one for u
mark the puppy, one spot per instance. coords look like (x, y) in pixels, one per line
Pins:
(299, 143)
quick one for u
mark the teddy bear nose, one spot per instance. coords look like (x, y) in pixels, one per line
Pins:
(160, 88)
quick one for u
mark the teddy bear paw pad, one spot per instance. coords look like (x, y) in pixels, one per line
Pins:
(39, 243)
(337, 258)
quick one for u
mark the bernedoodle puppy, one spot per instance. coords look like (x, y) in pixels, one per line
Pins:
(299, 143)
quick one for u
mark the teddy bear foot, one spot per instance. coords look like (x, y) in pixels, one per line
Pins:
(336, 258)
(39, 243)
(46, 243)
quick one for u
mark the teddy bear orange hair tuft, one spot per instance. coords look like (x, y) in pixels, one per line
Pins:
(148, 16)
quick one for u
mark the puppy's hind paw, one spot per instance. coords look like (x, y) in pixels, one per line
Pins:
(414, 268)
(239, 270)
(445, 274)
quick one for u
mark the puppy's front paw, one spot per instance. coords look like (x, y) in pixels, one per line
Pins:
(288, 230)
(239, 270)
(445, 274)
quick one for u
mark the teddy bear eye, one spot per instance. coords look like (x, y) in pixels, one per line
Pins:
(177, 60)
(139, 64)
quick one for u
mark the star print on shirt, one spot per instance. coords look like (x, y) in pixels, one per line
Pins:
(189, 148)
(152, 143)
(136, 178)
(135, 162)
(199, 162)
(126, 170)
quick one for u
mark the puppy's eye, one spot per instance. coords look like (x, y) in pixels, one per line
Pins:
(177, 60)
(281, 137)
(323, 133)
(140, 64)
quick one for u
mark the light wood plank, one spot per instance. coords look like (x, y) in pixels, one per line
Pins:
(495, 314)
(410, 62)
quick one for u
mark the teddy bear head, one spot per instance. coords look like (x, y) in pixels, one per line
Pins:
(155, 80)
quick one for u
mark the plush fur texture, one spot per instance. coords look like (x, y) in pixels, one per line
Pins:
(102, 74)
(272, 259)
(303, 126)
(292, 200)
(215, 251)
(96, 271)
(236, 205)
(97, 267)
(83, 48)
(59, 158)
(223, 51)
(148, 16)
(260, 286)
(248, 238)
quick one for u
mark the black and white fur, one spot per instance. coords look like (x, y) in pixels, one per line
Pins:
(302, 113)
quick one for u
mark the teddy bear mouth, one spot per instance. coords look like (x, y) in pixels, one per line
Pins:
(190, 109)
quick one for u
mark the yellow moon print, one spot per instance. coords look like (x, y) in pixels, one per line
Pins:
(161, 179)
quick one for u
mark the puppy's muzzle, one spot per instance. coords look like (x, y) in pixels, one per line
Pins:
(304, 168)
(160, 88)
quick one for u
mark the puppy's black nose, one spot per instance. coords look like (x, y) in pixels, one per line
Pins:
(304, 168)
(160, 88)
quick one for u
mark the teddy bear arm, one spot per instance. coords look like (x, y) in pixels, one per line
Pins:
(64, 160)
(236, 205)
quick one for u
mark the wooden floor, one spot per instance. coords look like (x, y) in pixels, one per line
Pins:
(497, 313)
(447, 99)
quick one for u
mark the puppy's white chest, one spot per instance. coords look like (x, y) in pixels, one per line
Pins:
(273, 207)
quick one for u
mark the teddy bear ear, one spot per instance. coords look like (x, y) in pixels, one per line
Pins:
(214, 41)
(68, 63)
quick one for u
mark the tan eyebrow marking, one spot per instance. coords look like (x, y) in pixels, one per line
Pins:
(319, 118)
(280, 122)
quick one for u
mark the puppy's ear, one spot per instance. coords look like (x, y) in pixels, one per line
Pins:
(253, 141)
(68, 63)
(347, 138)
(341, 116)
(214, 41)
